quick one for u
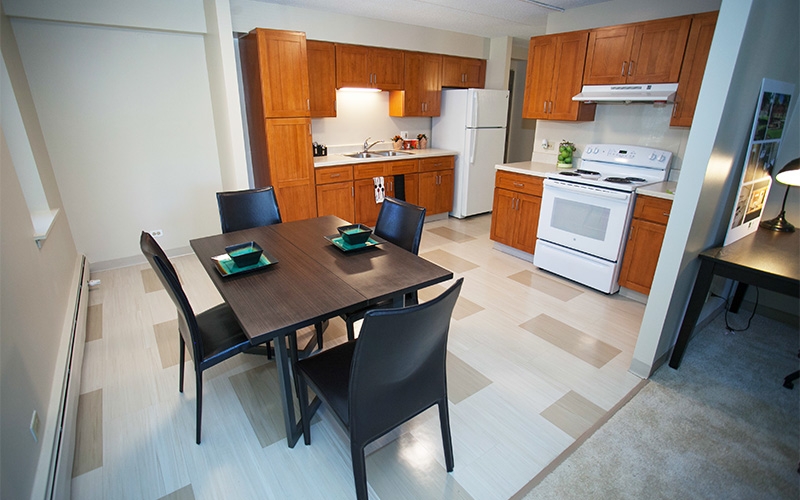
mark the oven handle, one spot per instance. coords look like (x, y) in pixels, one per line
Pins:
(588, 191)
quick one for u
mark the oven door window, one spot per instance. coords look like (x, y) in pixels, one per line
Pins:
(589, 220)
(584, 219)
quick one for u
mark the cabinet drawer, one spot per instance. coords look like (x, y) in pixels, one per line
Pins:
(326, 175)
(401, 167)
(529, 184)
(436, 163)
(368, 170)
(652, 209)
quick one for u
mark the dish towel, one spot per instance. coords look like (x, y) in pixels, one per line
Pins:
(380, 191)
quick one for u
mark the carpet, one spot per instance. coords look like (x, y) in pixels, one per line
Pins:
(721, 426)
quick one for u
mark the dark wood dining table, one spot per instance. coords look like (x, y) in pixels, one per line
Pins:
(312, 281)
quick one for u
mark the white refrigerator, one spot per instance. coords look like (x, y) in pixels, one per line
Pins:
(472, 123)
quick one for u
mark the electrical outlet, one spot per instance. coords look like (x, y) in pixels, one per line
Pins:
(156, 233)
(35, 426)
(404, 134)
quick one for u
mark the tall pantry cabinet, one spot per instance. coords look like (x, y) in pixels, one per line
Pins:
(275, 73)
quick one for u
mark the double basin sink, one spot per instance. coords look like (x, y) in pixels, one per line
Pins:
(376, 154)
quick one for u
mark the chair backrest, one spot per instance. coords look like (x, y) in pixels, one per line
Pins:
(248, 208)
(187, 323)
(398, 366)
(400, 222)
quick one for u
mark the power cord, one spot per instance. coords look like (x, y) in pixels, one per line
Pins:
(729, 330)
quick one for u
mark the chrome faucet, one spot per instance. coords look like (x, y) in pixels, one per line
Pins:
(367, 145)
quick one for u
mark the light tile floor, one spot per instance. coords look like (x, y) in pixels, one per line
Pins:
(534, 361)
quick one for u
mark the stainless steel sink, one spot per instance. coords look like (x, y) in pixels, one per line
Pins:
(362, 154)
(392, 153)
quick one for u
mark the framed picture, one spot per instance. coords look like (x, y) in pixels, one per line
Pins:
(765, 141)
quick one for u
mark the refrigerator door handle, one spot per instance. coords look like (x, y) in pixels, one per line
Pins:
(473, 143)
(474, 109)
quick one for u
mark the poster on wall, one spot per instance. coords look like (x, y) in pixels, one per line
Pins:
(765, 141)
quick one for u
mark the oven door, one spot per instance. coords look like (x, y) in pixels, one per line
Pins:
(586, 218)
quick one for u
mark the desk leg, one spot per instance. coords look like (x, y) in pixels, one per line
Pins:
(699, 293)
(285, 381)
(738, 297)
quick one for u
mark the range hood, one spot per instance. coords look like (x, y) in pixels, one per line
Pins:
(647, 92)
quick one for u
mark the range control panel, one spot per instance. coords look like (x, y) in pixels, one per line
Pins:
(627, 155)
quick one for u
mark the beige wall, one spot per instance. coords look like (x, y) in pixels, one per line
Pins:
(35, 286)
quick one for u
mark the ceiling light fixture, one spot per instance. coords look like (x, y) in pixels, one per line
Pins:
(545, 5)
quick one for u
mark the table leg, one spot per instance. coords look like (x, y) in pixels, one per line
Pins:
(702, 285)
(738, 297)
(293, 431)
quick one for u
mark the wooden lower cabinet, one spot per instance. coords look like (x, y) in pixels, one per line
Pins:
(335, 195)
(366, 209)
(289, 167)
(436, 191)
(649, 224)
(515, 213)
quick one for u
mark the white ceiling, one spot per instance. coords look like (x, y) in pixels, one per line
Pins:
(487, 18)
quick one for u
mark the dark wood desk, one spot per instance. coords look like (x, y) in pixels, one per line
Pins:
(766, 259)
(312, 282)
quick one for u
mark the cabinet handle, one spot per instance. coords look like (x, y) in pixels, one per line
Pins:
(550, 107)
(352, 192)
(675, 110)
(519, 184)
(623, 68)
(333, 176)
(630, 69)
(391, 186)
(665, 214)
(308, 104)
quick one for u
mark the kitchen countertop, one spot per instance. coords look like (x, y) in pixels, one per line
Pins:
(664, 189)
(340, 159)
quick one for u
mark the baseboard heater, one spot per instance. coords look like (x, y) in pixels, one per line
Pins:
(59, 477)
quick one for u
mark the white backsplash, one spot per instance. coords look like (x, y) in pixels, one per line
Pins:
(360, 115)
(640, 124)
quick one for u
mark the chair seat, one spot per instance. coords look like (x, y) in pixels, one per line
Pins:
(220, 332)
(331, 369)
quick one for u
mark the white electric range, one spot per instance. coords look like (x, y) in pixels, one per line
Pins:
(586, 212)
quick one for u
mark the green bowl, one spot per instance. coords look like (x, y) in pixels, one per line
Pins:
(245, 254)
(355, 234)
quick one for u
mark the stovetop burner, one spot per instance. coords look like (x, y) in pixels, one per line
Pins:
(624, 180)
(570, 174)
(587, 172)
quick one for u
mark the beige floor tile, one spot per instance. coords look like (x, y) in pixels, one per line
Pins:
(593, 351)
(150, 281)
(449, 261)
(450, 234)
(169, 345)
(462, 380)
(558, 289)
(184, 493)
(89, 433)
(94, 322)
(573, 414)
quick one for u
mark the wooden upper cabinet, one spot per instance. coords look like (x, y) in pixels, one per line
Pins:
(422, 94)
(554, 74)
(276, 63)
(321, 78)
(693, 68)
(368, 67)
(463, 72)
(648, 52)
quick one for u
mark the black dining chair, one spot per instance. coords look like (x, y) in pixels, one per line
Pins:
(250, 208)
(401, 223)
(392, 373)
(214, 335)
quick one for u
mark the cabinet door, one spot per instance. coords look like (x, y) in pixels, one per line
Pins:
(291, 167)
(386, 66)
(412, 188)
(283, 65)
(657, 50)
(336, 199)
(474, 73)
(321, 78)
(427, 191)
(423, 85)
(352, 69)
(607, 55)
(463, 72)
(504, 216)
(366, 210)
(693, 68)
(539, 76)
(444, 192)
(641, 255)
(570, 55)
(527, 222)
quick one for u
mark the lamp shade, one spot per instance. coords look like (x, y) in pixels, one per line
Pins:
(790, 173)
